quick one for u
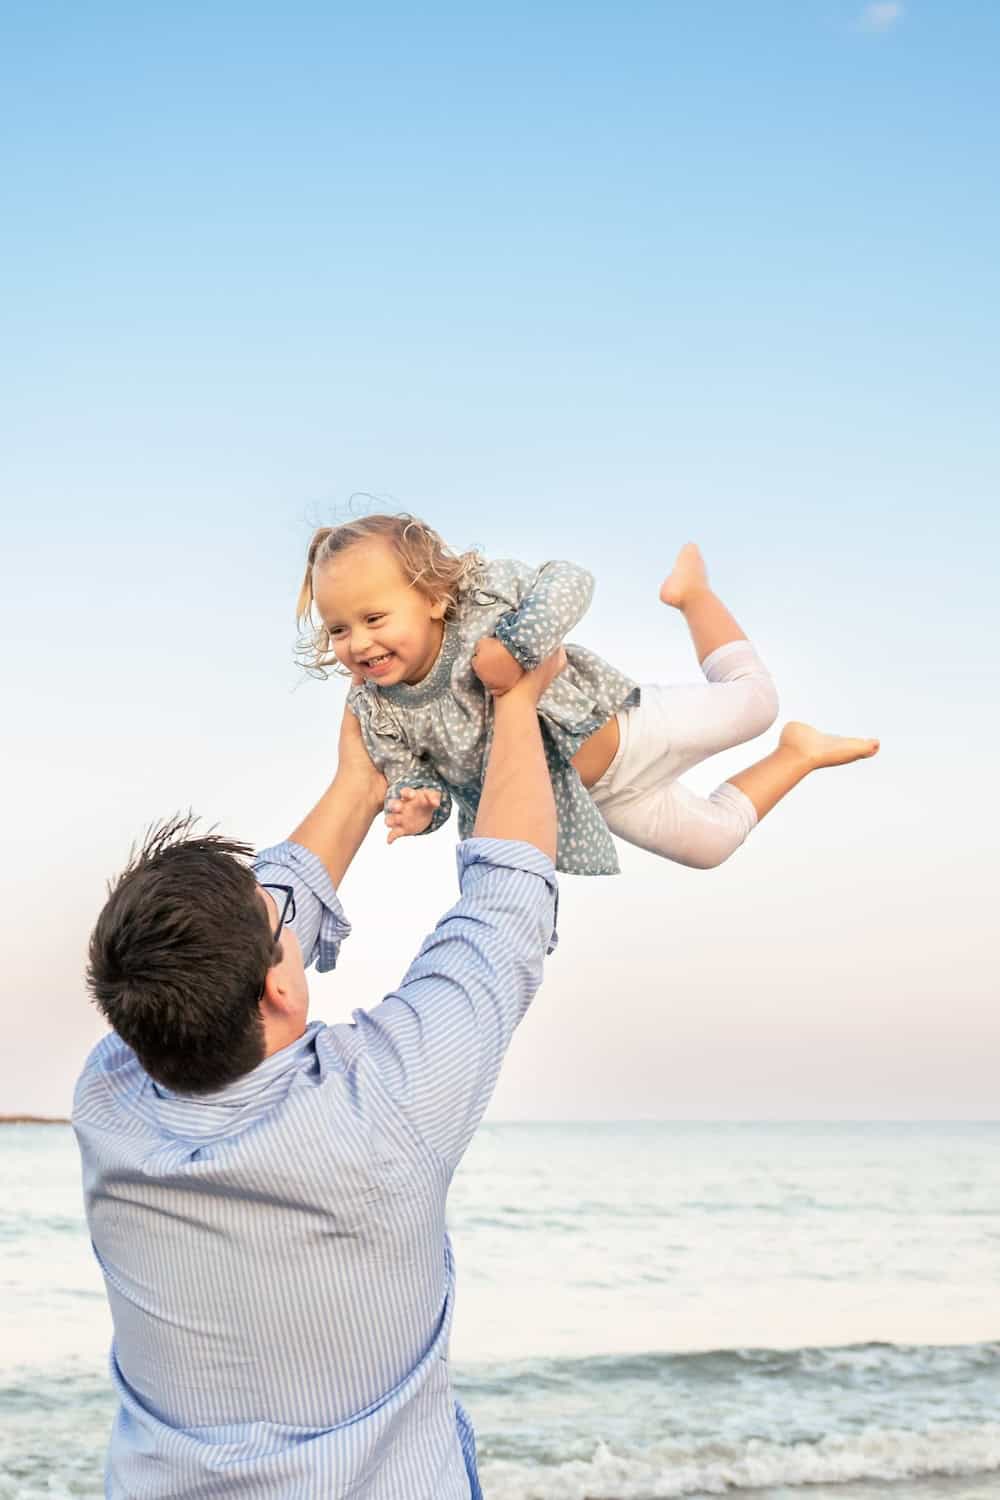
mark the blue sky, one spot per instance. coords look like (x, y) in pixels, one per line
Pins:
(566, 281)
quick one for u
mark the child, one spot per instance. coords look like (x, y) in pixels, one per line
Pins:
(428, 635)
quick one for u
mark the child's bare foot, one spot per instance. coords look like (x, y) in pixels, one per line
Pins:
(820, 749)
(688, 576)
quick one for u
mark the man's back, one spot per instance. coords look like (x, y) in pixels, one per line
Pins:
(239, 1241)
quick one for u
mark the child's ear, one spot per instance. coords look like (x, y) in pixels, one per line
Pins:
(438, 609)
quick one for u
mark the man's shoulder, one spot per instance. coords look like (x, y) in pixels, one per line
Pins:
(110, 1062)
(109, 1055)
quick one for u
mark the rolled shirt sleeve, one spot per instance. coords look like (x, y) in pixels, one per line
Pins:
(437, 1041)
(319, 922)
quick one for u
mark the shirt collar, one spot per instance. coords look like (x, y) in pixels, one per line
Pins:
(258, 1080)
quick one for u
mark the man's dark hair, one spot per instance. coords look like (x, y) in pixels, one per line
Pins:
(179, 956)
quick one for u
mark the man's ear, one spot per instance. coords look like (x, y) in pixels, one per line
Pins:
(277, 998)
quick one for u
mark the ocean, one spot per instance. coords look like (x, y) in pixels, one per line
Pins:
(645, 1311)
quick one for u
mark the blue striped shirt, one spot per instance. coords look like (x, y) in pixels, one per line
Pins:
(275, 1254)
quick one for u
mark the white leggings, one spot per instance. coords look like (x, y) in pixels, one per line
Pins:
(671, 730)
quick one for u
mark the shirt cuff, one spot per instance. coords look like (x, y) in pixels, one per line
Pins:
(319, 922)
(512, 854)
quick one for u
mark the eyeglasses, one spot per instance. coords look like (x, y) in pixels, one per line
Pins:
(286, 907)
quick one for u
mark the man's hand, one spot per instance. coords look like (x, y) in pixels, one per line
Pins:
(534, 684)
(411, 812)
(495, 667)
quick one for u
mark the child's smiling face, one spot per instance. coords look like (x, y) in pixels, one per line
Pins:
(379, 623)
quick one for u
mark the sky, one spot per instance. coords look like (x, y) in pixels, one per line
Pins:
(567, 281)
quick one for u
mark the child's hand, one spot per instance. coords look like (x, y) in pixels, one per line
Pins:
(411, 811)
(495, 667)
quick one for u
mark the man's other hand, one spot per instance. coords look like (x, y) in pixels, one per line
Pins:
(533, 684)
(354, 762)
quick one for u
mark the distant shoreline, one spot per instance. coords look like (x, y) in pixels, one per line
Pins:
(34, 1120)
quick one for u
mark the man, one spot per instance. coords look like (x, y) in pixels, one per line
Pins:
(266, 1197)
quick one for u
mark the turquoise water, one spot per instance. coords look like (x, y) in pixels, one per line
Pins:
(644, 1311)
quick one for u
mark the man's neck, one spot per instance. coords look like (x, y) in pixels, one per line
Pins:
(280, 1034)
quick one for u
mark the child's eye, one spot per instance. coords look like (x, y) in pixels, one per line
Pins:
(374, 619)
(333, 630)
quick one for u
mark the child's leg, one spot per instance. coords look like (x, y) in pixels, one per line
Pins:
(716, 637)
(801, 749)
(677, 727)
(676, 823)
(686, 588)
(740, 701)
(737, 703)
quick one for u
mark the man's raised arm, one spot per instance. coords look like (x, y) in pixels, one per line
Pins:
(437, 1042)
(517, 801)
(314, 858)
(336, 827)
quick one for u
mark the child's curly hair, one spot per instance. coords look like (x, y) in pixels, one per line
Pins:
(428, 563)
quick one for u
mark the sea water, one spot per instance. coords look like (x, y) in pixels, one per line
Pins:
(644, 1311)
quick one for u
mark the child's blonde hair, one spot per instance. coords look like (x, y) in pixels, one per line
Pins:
(429, 564)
